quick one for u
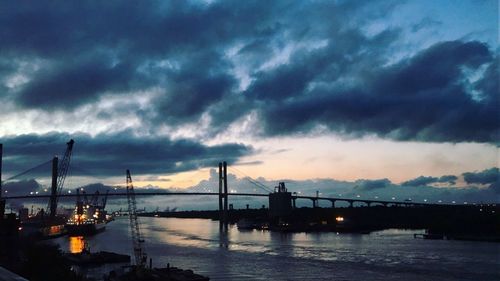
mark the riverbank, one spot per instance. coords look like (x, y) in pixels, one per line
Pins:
(457, 222)
(389, 255)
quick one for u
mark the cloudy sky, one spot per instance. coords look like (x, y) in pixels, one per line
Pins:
(389, 92)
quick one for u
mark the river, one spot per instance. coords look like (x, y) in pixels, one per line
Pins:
(263, 255)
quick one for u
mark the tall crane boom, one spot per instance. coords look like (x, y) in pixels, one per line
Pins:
(139, 255)
(64, 167)
(62, 171)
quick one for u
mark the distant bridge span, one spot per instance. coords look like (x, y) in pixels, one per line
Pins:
(314, 199)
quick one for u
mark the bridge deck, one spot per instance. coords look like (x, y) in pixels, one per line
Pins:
(332, 199)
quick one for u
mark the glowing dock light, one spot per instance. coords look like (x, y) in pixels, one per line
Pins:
(339, 219)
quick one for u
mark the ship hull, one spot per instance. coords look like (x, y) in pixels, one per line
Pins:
(85, 229)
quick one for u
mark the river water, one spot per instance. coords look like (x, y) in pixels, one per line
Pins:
(263, 255)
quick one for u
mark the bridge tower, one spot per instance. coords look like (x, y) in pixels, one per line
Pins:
(223, 198)
(53, 188)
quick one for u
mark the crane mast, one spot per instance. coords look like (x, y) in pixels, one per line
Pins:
(61, 172)
(139, 255)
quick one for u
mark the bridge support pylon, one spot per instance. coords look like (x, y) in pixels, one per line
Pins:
(315, 203)
(223, 198)
(333, 203)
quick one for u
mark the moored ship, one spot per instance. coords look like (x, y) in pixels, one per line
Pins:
(88, 217)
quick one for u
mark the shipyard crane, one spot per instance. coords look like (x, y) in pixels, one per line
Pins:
(139, 255)
(59, 172)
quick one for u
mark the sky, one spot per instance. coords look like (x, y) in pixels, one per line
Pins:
(378, 93)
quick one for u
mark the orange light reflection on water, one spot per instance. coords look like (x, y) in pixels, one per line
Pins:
(76, 244)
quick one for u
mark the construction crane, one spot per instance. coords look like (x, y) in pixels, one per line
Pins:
(139, 255)
(59, 172)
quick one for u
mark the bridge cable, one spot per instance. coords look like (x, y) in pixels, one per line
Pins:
(27, 171)
(252, 181)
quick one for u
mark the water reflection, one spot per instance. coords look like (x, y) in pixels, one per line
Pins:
(76, 244)
(390, 255)
(223, 238)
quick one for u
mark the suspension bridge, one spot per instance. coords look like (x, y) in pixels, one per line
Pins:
(59, 174)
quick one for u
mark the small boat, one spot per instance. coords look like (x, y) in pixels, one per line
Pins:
(246, 224)
(99, 258)
(430, 236)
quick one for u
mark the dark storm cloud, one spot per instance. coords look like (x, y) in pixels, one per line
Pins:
(423, 180)
(489, 176)
(420, 181)
(372, 184)
(76, 83)
(495, 187)
(21, 187)
(112, 154)
(423, 98)
(448, 179)
(337, 76)
(191, 90)
(135, 37)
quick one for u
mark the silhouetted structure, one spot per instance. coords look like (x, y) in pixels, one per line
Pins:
(280, 202)
(223, 198)
(2, 202)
